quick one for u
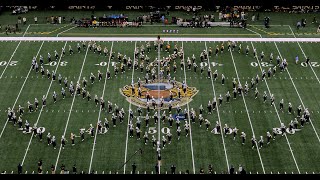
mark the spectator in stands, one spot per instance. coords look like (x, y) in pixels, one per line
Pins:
(304, 22)
(19, 20)
(7, 29)
(24, 20)
(253, 17)
(314, 20)
(298, 25)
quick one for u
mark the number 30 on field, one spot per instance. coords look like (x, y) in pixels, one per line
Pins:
(54, 63)
(11, 63)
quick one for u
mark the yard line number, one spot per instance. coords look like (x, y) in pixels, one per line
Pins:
(263, 64)
(164, 130)
(54, 63)
(313, 64)
(11, 63)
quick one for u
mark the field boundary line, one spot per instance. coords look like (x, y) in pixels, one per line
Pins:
(218, 113)
(191, 144)
(25, 80)
(74, 97)
(126, 148)
(178, 39)
(245, 104)
(297, 92)
(40, 112)
(104, 88)
(274, 105)
(66, 30)
(254, 32)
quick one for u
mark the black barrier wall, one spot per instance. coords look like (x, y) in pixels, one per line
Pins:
(163, 4)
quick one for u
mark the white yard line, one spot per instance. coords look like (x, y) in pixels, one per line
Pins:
(126, 149)
(218, 113)
(245, 104)
(297, 91)
(104, 88)
(278, 115)
(26, 30)
(25, 155)
(70, 111)
(253, 32)
(66, 30)
(117, 39)
(25, 80)
(191, 144)
(159, 115)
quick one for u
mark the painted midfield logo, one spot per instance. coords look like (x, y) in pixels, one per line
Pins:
(158, 89)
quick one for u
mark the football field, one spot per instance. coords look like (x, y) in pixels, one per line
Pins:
(113, 151)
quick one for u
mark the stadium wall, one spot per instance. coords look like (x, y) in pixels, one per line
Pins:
(152, 4)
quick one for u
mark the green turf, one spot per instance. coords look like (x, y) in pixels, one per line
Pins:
(196, 151)
(201, 148)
